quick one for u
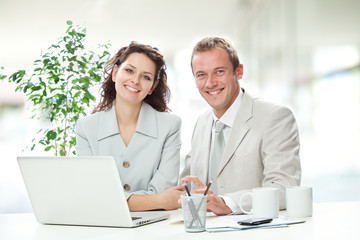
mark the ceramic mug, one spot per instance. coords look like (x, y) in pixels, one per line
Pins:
(299, 201)
(265, 202)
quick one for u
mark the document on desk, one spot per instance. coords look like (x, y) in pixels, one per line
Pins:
(229, 223)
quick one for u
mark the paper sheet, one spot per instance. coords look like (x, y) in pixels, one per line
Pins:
(229, 223)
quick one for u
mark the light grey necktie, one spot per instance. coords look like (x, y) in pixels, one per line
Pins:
(218, 149)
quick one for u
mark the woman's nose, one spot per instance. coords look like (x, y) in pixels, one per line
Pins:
(136, 79)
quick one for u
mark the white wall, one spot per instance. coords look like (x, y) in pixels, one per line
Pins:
(301, 53)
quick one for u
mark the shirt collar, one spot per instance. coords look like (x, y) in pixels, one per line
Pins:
(229, 116)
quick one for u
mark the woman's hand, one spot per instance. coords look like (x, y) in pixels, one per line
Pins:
(170, 197)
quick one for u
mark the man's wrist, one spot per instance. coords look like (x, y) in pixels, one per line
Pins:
(230, 204)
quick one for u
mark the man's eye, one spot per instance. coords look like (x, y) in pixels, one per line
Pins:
(220, 71)
(200, 76)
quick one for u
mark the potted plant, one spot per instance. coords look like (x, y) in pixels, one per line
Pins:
(58, 88)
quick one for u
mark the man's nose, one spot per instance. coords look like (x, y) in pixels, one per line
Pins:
(210, 82)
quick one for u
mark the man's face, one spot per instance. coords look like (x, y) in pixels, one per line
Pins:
(215, 79)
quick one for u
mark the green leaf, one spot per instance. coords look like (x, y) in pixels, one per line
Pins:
(17, 76)
(32, 147)
(64, 112)
(62, 153)
(86, 100)
(46, 61)
(77, 94)
(36, 88)
(51, 135)
(20, 87)
(89, 95)
(48, 148)
(68, 22)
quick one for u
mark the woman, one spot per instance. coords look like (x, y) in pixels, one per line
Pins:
(131, 123)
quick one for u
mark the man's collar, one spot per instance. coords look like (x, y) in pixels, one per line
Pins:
(230, 114)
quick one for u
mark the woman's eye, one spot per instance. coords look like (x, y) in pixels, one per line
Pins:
(129, 70)
(146, 77)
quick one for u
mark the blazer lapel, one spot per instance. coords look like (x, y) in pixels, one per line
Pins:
(107, 124)
(147, 123)
(239, 129)
(109, 139)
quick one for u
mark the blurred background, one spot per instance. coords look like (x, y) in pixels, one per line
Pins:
(304, 54)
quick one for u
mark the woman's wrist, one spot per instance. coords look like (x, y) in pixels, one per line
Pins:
(137, 202)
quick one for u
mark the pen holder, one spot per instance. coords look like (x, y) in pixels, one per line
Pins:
(194, 212)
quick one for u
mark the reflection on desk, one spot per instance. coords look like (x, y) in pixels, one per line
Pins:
(329, 221)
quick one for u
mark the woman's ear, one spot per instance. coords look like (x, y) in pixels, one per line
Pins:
(114, 72)
(153, 87)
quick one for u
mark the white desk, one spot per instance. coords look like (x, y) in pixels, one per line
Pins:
(330, 221)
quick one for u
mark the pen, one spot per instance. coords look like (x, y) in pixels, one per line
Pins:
(193, 209)
(202, 200)
(187, 191)
(205, 193)
(208, 187)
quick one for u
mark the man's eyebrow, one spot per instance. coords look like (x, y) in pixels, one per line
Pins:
(200, 71)
(215, 69)
(221, 67)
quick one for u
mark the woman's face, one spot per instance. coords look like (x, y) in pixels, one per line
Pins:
(134, 78)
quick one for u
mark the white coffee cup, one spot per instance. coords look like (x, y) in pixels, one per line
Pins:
(265, 202)
(299, 200)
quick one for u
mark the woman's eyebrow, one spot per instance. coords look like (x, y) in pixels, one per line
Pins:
(135, 68)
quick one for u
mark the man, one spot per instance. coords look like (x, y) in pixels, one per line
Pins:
(261, 140)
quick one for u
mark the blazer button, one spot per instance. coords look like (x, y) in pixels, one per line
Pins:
(126, 164)
(127, 187)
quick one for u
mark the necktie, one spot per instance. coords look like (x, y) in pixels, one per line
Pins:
(218, 149)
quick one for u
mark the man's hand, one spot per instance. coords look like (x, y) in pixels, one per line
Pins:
(215, 203)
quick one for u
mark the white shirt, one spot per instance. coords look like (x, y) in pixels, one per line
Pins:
(228, 119)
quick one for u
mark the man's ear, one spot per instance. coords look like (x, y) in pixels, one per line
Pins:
(153, 87)
(114, 72)
(239, 72)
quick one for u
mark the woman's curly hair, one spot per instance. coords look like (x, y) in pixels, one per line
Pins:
(160, 95)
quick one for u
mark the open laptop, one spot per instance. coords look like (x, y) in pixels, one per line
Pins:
(80, 191)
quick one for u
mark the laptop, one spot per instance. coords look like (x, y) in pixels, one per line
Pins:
(80, 191)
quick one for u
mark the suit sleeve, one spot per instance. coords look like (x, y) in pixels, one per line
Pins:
(279, 151)
(185, 171)
(82, 144)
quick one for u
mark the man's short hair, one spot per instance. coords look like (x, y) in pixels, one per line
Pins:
(216, 42)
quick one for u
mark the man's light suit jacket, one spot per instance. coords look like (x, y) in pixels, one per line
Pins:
(262, 151)
(150, 163)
